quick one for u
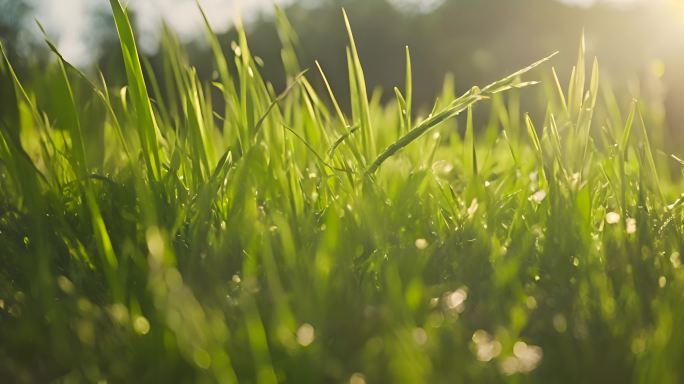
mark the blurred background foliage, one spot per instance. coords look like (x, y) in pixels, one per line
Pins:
(640, 44)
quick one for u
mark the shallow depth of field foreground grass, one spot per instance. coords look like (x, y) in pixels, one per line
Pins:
(182, 231)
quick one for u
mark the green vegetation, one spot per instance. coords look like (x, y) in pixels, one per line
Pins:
(180, 231)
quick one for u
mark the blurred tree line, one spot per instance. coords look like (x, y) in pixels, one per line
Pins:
(12, 14)
(640, 48)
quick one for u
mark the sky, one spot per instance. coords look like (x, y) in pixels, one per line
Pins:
(65, 23)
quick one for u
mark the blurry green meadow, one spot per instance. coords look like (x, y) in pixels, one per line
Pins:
(175, 228)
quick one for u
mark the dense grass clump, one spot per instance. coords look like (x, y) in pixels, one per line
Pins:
(176, 230)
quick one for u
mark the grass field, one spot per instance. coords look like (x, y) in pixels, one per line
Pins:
(176, 230)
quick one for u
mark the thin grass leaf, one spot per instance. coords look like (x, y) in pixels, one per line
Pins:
(314, 152)
(532, 133)
(469, 152)
(650, 158)
(458, 106)
(278, 99)
(340, 140)
(408, 92)
(627, 132)
(679, 160)
(147, 124)
(559, 89)
(360, 97)
(577, 81)
(507, 81)
(340, 115)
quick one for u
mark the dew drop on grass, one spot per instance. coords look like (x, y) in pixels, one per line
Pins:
(524, 360)
(357, 378)
(630, 225)
(118, 313)
(560, 324)
(201, 358)
(65, 285)
(612, 217)
(155, 242)
(306, 334)
(473, 207)
(442, 167)
(456, 299)
(509, 365)
(486, 347)
(675, 260)
(528, 356)
(236, 49)
(538, 196)
(534, 176)
(141, 325)
(662, 281)
(84, 305)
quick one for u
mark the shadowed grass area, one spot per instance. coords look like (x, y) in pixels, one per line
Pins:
(182, 231)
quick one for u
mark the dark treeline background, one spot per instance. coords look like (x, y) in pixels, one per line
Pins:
(476, 41)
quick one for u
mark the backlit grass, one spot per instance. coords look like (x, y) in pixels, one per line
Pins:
(176, 230)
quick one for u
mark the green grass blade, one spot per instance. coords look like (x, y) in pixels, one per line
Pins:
(459, 105)
(559, 88)
(627, 132)
(408, 91)
(653, 169)
(509, 81)
(534, 138)
(469, 152)
(360, 97)
(336, 105)
(576, 97)
(147, 124)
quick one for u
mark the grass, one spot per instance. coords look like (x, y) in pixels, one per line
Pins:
(181, 231)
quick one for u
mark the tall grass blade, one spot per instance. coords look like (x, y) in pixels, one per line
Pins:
(147, 125)
(360, 96)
